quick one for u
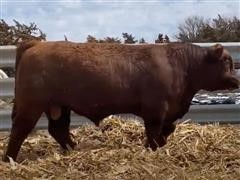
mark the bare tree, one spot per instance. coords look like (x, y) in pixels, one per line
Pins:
(65, 38)
(91, 39)
(159, 38)
(128, 38)
(166, 38)
(110, 40)
(142, 41)
(220, 29)
(189, 31)
(13, 34)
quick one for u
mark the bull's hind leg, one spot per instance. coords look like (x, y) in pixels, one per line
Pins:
(58, 127)
(23, 122)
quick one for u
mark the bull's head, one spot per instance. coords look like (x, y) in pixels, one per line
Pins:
(219, 70)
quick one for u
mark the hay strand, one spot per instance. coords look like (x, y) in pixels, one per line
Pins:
(115, 151)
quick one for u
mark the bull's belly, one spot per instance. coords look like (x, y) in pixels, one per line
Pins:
(105, 109)
(100, 111)
(101, 104)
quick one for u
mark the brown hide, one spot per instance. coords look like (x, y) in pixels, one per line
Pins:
(155, 82)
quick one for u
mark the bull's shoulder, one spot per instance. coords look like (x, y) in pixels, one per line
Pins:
(184, 53)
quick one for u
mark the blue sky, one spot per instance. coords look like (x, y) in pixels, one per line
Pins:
(100, 18)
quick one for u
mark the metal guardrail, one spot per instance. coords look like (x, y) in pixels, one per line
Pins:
(7, 87)
(8, 53)
(6, 122)
(223, 114)
(7, 56)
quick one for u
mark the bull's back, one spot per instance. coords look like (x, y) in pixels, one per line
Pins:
(78, 72)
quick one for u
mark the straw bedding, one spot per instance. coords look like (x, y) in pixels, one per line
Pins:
(115, 150)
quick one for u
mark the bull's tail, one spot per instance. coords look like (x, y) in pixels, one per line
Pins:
(20, 50)
(23, 47)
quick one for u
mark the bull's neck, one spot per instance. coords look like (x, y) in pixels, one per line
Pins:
(193, 69)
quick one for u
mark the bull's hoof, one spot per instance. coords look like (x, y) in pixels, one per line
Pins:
(69, 145)
(5, 158)
(72, 144)
(154, 144)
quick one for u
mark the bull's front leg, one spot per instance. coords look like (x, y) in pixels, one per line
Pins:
(155, 138)
(154, 123)
(168, 129)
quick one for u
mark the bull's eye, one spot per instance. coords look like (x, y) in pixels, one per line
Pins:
(226, 61)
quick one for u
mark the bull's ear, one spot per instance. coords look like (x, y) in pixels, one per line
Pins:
(215, 52)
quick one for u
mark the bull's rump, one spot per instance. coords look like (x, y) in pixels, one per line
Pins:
(88, 75)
